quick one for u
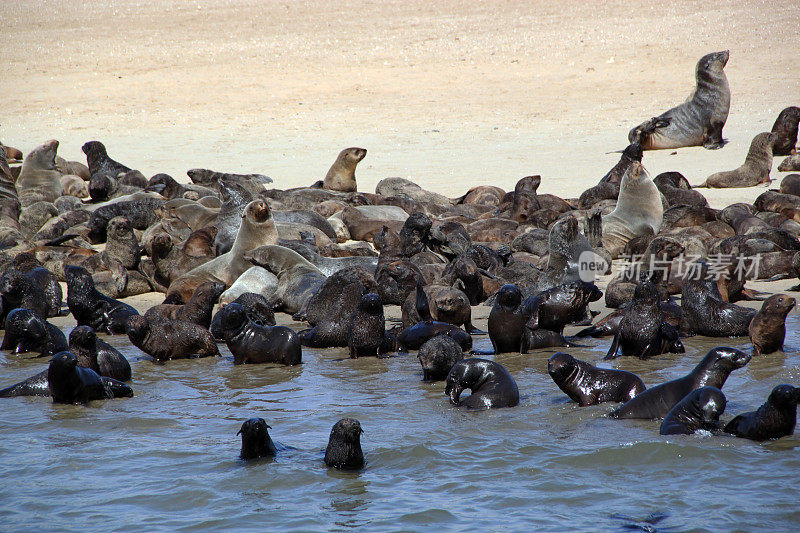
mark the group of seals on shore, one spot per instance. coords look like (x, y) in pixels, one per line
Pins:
(290, 251)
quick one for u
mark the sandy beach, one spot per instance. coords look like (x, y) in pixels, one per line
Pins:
(449, 94)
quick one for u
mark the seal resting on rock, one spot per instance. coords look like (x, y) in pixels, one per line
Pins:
(170, 339)
(700, 409)
(697, 121)
(344, 446)
(491, 384)
(255, 439)
(252, 343)
(776, 418)
(657, 401)
(768, 327)
(589, 385)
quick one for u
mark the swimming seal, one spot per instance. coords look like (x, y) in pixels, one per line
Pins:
(90, 308)
(785, 131)
(98, 355)
(754, 171)
(589, 385)
(170, 339)
(256, 441)
(26, 331)
(342, 174)
(253, 343)
(70, 383)
(657, 401)
(775, 418)
(437, 357)
(699, 120)
(700, 409)
(491, 384)
(344, 445)
(768, 327)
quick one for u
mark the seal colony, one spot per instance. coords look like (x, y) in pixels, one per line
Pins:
(334, 257)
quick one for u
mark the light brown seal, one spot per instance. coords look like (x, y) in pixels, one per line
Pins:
(755, 169)
(39, 180)
(342, 174)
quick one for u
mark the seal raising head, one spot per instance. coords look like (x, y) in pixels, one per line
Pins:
(342, 174)
(344, 445)
(256, 441)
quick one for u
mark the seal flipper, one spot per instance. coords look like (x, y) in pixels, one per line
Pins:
(612, 351)
(37, 385)
(423, 306)
(594, 230)
(116, 389)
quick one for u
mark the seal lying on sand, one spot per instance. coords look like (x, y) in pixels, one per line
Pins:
(754, 171)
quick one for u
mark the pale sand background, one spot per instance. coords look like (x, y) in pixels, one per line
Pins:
(449, 94)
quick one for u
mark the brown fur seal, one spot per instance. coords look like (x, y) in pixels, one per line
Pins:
(170, 339)
(257, 229)
(447, 304)
(754, 171)
(791, 163)
(776, 418)
(342, 174)
(589, 385)
(298, 278)
(639, 211)
(437, 357)
(700, 409)
(657, 401)
(785, 131)
(253, 343)
(70, 383)
(90, 308)
(705, 313)
(699, 120)
(98, 355)
(768, 327)
(39, 180)
(256, 441)
(197, 310)
(491, 384)
(344, 446)
(26, 331)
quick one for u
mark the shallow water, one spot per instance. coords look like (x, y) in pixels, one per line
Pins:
(168, 458)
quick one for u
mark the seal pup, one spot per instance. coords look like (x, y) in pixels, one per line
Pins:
(768, 327)
(342, 174)
(589, 385)
(257, 229)
(697, 121)
(491, 384)
(21, 291)
(256, 441)
(447, 304)
(657, 401)
(26, 331)
(775, 418)
(99, 162)
(700, 409)
(255, 305)
(344, 446)
(754, 171)
(98, 355)
(70, 383)
(198, 310)
(785, 131)
(90, 307)
(507, 320)
(170, 339)
(234, 200)
(367, 335)
(252, 343)
(437, 357)
(39, 180)
(639, 211)
(555, 308)
(704, 312)
(643, 332)
(791, 163)
(415, 336)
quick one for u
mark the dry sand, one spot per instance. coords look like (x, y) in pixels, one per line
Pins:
(449, 94)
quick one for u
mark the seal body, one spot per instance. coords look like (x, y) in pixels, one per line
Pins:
(700, 409)
(252, 343)
(170, 339)
(256, 441)
(768, 327)
(26, 332)
(344, 446)
(699, 120)
(785, 131)
(507, 320)
(98, 355)
(491, 384)
(589, 385)
(367, 335)
(657, 401)
(342, 174)
(755, 169)
(70, 383)
(197, 310)
(705, 313)
(555, 308)
(776, 418)
(90, 308)
(437, 357)
(39, 180)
